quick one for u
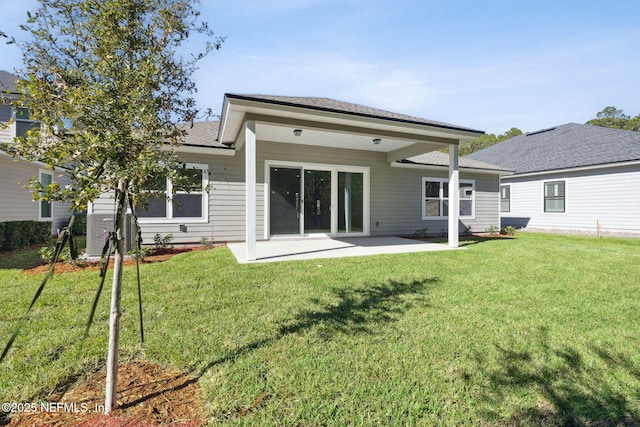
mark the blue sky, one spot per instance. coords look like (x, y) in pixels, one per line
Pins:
(488, 65)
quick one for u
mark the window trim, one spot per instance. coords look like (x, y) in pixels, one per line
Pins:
(544, 205)
(40, 201)
(442, 181)
(16, 119)
(169, 218)
(510, 199)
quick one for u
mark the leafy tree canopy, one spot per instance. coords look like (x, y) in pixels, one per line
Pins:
(105, 80)
(485, 141)
(611, 117)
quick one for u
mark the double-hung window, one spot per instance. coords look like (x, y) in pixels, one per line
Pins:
(554, 196)
(435, 198)
(505, 198)
(23, 122)
(185, 200)
(45, 212)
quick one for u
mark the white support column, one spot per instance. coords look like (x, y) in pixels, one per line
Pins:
(250, 182)
(454, 196)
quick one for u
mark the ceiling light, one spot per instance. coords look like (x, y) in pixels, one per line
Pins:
(297, 132)
(377, 141)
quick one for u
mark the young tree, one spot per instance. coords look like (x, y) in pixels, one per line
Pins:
(106, 80)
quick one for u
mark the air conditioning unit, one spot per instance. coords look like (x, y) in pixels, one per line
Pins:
(98, 228)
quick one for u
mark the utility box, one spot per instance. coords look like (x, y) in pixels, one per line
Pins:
(98, 228)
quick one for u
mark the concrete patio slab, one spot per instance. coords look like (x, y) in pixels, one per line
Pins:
(314, 248)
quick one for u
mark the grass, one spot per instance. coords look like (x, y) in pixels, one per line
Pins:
(542, 329)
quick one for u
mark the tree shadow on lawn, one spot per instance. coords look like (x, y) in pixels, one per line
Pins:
(357, 311)
(574, 393)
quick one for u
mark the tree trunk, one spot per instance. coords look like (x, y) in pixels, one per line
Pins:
(116, 290)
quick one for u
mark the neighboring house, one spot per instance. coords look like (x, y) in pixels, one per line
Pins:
(278, 166)
(571, 178)
(17, 202)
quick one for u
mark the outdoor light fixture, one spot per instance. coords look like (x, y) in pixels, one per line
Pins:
(297, 132)
(377, 141)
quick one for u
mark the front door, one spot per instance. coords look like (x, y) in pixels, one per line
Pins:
(301, 199)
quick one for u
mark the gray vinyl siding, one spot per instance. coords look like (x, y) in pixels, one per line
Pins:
(17, 202)
(395, 195)
(608, 196)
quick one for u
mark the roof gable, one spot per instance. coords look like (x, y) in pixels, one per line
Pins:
(335, 106)
(566, 146)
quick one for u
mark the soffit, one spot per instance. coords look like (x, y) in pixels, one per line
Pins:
(329, 129)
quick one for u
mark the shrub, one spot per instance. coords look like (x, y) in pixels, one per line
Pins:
(20, 234)
(492, 229)
(162, 242)
(510, 231)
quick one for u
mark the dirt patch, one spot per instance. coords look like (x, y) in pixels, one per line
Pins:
(159, 255)
(148, 396)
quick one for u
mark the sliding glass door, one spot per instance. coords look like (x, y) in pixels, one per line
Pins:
(350, 202)
(308, 201)
(284, 201)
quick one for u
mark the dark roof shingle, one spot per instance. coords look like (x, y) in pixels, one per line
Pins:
(332, 105)
(438, 158)
(566, 146)
(203, 134)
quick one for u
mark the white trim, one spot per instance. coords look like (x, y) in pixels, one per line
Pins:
(199, 149)
(446, 168)
(443, 181)
(40, 201)
(204, 193)
(334, 169)
(250, 163)
(576, 169)
(566, 198)
(454, 197)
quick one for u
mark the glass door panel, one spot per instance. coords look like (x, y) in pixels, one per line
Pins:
(285, 201)
(317, 201)
(350, 202)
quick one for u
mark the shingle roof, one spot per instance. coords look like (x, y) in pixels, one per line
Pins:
(332, 105)
(203, 134)
(438, 158)
(566, 146)
(7, 81)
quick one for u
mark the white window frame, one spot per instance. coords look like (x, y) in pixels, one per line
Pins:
(16, 119)
(500, 199)
(40, 202)
(204, 216)
(445, 182)
(334, 169)
(566, 199)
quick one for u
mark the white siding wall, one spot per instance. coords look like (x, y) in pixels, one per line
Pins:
(611, 196)
(6, 133)
(16, 203)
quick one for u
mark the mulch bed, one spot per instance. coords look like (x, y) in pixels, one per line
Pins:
(159, 255)
(147, 396)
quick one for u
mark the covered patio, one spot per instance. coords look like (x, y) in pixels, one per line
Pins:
(327, 247)
(347, 133)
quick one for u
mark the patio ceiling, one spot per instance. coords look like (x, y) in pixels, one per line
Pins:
(276, 123)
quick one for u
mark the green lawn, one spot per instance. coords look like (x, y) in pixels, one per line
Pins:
(543, 329)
